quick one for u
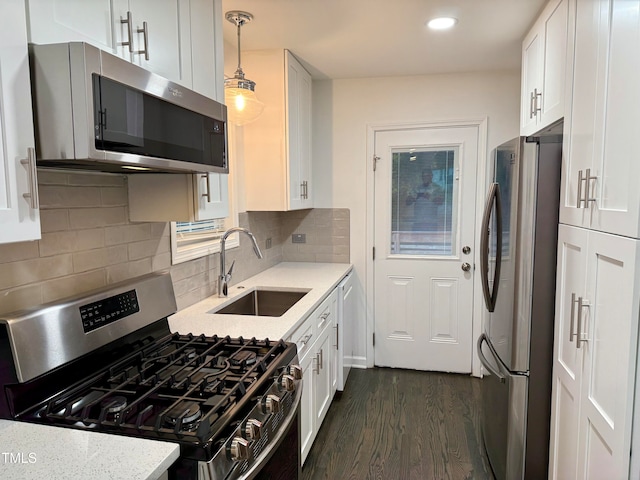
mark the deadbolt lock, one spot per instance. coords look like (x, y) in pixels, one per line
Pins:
(466, 250)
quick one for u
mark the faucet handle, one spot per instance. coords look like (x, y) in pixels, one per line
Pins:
(231, 268)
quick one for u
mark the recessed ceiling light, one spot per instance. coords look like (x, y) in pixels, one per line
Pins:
(442, 23)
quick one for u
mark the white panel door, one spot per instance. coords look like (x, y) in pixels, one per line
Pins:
(19, 214)
(425, 210)
(323, 392)
(554, 64)
(167, 38)
(59, 21)
(609, 339)
(567, 365)
(307, 407)
(531, 80)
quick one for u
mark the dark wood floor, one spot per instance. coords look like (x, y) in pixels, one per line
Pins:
(401, 424)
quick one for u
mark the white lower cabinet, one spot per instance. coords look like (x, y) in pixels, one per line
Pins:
(596, 333)
(315, 340)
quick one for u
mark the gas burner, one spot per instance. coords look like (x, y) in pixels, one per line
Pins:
(243, 358)
(190, 413)
(114, 405)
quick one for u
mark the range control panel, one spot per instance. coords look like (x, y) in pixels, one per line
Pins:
(98, 314)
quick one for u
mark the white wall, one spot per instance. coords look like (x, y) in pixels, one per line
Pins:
(344, 108)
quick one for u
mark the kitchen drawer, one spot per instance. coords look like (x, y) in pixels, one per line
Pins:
(325, 314)
(303, 337)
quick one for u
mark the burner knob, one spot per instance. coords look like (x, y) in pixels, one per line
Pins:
(253, 429)
(295, 371)
(272, 404)
(239, 449)
(288, 383)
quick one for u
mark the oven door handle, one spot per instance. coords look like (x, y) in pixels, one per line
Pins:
(266, 454)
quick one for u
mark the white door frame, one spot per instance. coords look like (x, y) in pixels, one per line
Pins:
(478, 303)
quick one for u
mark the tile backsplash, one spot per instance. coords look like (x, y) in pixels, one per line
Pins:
(88, 242)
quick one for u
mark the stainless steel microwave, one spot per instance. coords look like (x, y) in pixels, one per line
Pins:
(95, 111)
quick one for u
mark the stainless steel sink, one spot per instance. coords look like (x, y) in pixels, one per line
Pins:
(263, 302)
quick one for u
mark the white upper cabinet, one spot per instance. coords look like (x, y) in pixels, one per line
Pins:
(602, 157)
(277, 146)
(59, 21)
(160, 197)
(544, 57)
(154, 34)
(19, 214)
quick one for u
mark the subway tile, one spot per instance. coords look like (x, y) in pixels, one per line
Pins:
(30, 271)
(52, 177)
(14, 252)
(54, 220)
(56, 196)
(98, 179)
(97, 217)
(56, 243)
(161, 261)
(148, 248)
(159, 229)
(188, 269)
(125, 271)
(299, 257)
(113, 196)
(20, 298)
(332, 258)
(127, 233)
(99, 258)
(91, 238)
(73, 285)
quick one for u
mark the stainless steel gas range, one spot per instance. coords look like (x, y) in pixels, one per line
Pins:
(107, 361)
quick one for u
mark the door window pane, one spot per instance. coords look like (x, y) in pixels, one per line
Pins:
(424, 201)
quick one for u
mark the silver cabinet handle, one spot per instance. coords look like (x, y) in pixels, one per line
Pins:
(316, 368)
(531, 105)
(580, 180)
(208, 192)
(304, 190)
(129, 42)
(306, 339)
(573, 311)
(145, 35)
(32, 195)
(579, 334)
(538, 108)
(587, 181)
(321, 359)
(337, 336)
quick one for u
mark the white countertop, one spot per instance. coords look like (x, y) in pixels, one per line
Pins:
(319, 278)
(29, 451)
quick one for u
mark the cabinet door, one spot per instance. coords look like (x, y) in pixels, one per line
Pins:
(567, 363)
(610, 346)
(211, 196)
(59, 21)
(207, 47)
(298, 123)
(307, 408)
(616, 164)
(167, 38)
(531, 80)
(555, 29)
(19, 215)
(323, 378)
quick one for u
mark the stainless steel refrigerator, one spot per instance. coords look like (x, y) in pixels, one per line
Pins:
(518, 268)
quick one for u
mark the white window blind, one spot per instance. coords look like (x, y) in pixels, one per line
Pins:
(189, 233)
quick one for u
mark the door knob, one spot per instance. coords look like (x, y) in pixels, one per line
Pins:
(466, 267)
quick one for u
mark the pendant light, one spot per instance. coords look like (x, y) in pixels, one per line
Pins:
(239, 93)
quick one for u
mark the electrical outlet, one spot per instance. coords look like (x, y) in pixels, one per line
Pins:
(299, 238)
(267, 243)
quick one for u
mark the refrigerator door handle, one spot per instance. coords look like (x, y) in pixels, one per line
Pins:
(494, 197)
(485, 362)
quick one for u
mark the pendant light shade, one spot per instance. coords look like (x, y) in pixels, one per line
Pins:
(239, 92)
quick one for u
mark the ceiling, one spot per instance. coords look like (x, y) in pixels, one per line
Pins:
(373, 38)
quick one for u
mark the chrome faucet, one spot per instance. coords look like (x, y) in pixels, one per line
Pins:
(225, 278)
